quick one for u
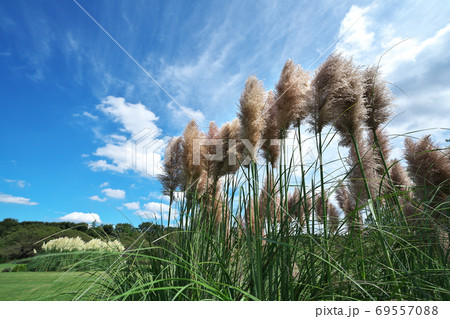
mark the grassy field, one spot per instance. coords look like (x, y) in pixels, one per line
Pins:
(42, 285)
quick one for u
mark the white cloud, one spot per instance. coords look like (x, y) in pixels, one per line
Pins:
(84, 155)
(114, 193)
(153, 210)
(77, 217)
(105, 184)
(358, 40)
(133, 205)
(102, 165)
(17, 182)
(96, 198)
(142, 152)
(133, 117)
(418, 66)
(10, 199)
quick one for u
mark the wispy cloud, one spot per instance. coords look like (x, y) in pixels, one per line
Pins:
(17, 182)
(10, 199)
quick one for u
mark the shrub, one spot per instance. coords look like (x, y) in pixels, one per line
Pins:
(6, 270)
(19, 268)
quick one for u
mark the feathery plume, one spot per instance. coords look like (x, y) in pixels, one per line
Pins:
(429, 168)
(377, 155)
(191, 172)
(172, 176)
(250, 114)
(296, 206)
(231, 150)
(377, 99)
(399, 176)
(357, 182)
(348, 206)
(271, 150)
(291, 95)
(337, 95)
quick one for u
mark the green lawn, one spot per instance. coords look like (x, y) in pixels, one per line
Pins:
(43, 285)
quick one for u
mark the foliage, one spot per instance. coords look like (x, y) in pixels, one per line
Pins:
(19, 268)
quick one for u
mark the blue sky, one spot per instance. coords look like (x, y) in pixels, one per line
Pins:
(71, 97)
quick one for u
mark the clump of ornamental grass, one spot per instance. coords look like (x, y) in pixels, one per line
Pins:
(291, 96)
(264, 254)
(68, 244)
(251, 107)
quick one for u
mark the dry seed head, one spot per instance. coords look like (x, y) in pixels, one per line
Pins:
(348, 205)
(271, 151)
(399, 176)
(251, 106)
(377, 98)
(291, 95)
(191, 172)
(369, 164)
(337, 97)
(429, 168)
(172, 176)
(296, 206)
(377, 153)
(229, 132)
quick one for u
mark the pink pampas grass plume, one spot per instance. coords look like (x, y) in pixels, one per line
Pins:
(270, 147)
(291, 95)
(337, 97)
(377, 98)
(251, 106)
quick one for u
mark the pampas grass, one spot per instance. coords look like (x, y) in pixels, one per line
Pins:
(236, 240)
(251, 107)
(271, 147)
(377, 99)
(337, 97)
(429, 168)
(191, 171)
(291, 95)
(172, 176)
